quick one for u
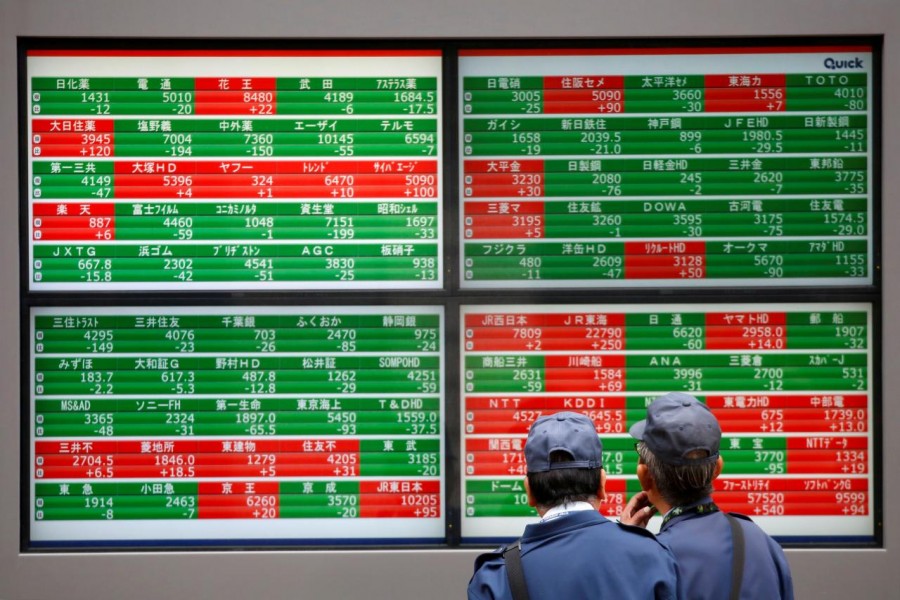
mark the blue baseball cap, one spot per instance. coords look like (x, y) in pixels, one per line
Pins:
(569, 432)
(676, 425)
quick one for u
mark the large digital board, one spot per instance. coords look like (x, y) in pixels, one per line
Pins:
(669, 167)
(293, 425)
(221, 171)
(791, 385)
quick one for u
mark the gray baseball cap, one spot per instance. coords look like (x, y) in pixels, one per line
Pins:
(567, 431)
(677, 424)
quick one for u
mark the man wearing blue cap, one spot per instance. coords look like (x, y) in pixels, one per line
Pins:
(574, 552)
(719, 556)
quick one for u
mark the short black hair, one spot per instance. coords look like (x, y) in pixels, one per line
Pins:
(562, 486)
(680, 485)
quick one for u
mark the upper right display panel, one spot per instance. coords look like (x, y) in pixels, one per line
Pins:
(674, 167)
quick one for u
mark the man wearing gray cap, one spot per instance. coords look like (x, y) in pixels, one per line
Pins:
(574, 552)
(719, 555)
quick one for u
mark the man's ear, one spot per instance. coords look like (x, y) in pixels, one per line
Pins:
(644, 477)
(719, 464)
(601, 491)
(531, 501)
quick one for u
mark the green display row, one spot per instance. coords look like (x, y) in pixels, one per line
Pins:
(767, 128)
(394, 323)
(426, 253)
(549, 145)
(265, 274)
(164, 84)
(107, 424)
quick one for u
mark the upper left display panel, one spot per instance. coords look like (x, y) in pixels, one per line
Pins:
(206, 170)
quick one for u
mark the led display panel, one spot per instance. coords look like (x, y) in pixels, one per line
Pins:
(677, 167)
(239, 425)
(206, 170)
(791, 385)
(241, 267)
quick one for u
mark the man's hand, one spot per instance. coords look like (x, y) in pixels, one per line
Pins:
(638, 511)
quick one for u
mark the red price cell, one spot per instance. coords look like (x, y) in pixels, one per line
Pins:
(519, 421)
(238, 500)
(585, 101)
(566, 373)
(74, 150)
(665, 260)
(81, 466)
(234, 95)
(408, 499)
(519, 185)
(78, 138)
(504, 219)
(74, 228)
(76, 145)
(495, 456)
(746, 331)
(506, 465)
(761, 99)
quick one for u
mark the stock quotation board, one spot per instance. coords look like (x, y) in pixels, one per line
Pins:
(241, 269)
(614, 168)
(222, 171)
(790, 384)
(291, 425)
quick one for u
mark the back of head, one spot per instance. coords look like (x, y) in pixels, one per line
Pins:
(679, 443)
(563, 456)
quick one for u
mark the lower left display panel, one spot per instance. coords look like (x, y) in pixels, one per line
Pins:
(196, 426)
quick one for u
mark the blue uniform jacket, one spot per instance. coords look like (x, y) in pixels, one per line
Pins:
(582, 555)
(702, 546)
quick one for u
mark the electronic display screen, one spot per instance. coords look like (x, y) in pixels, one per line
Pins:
(791, 385)
(254, 313)
(666, 167)
(205, 170)
(239, 425)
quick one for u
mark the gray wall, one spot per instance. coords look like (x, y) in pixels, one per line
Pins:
(399, 574)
